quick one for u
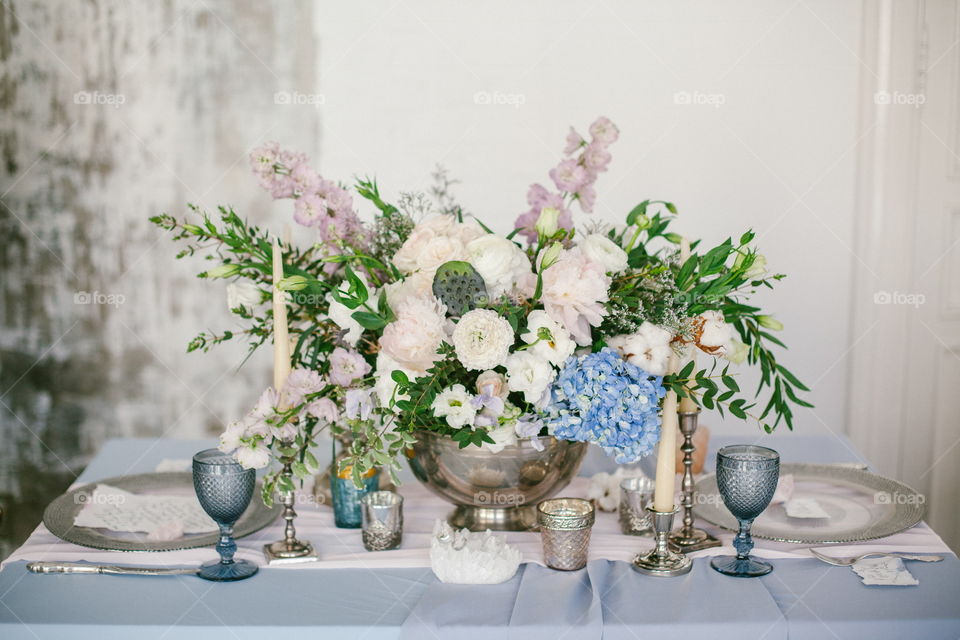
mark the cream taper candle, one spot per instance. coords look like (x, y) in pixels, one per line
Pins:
(687, 405)
(281, 340)
(666, 452)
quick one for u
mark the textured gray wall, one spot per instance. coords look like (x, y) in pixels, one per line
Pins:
(113, 111)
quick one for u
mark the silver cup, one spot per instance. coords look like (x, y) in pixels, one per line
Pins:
(635, 494)
(382, 520)
(565, 525)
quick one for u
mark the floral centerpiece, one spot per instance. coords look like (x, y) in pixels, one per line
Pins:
(426, 319)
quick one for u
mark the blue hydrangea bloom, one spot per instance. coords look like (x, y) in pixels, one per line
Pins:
(603, 399)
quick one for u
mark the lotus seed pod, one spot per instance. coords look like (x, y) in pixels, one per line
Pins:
(458, 285)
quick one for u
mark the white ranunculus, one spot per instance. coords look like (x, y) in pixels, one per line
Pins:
(604, 252)
(649, 348)
(482, 339)
(557, 347)
(503, 436)
(455, 405)
(243, 294)
(714, 335)
(499, 262)
(255, 456)
(413, 338)
(529, 374)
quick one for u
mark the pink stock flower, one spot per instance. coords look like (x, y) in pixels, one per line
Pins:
(574, 293)
(603, 131)
(346, 366)
(569, 175)
(301, 383)
(587, 197)
(308, 210)
(596, 158)
(574, 142)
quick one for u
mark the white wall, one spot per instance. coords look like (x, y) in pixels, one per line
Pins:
(400, 80)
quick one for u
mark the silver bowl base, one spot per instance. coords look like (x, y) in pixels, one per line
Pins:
(523, 518)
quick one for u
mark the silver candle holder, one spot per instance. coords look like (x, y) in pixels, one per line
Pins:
(290, 550)
(661, 561)
(689, 538)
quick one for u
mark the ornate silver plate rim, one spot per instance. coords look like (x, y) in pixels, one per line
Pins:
(59, 515)
(905, 515)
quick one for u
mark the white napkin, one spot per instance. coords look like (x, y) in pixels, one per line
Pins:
(804, 508)
(884, 571)
(118, 510)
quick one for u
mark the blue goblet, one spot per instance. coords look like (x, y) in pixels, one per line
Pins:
(224, 489)
(747, 477)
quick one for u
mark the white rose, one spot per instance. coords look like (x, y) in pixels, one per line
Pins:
(416, 285)
(438, 250)
(482, 339)
(413, 338)
(604, 252)
(243, 294)
(714, 335)
(503, 436)
(499, 262)
(455, 405)
(648, 349)
(557, 347)
(529, 374)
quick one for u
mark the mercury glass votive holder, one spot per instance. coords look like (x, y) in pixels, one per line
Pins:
(565, 525)
(636, 494)
(382, 515)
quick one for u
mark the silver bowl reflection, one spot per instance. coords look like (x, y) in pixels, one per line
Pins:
(498, 491)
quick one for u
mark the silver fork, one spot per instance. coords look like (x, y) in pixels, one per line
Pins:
(846, 562)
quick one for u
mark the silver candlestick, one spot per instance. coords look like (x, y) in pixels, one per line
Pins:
(689, 538)
(661, 561)
(290, 550)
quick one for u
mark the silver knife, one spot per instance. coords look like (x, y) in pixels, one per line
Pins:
(108, 569)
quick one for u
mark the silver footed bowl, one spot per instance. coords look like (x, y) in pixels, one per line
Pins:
(498, 491)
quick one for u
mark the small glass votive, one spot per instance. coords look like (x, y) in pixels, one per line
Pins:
(635, 494)
(382, 516)
(565, 525)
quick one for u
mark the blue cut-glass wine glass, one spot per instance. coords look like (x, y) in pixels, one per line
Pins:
(224, 489)
(747, 477)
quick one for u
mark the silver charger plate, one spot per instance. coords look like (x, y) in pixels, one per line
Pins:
(861, 506)
(60, 514)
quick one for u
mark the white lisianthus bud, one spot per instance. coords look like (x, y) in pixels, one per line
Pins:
(223, 271)
(604, 252)
(243, 294)
(770, 322)
(737, 352)
(550, 255)
(547, 223)
(757, 268)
